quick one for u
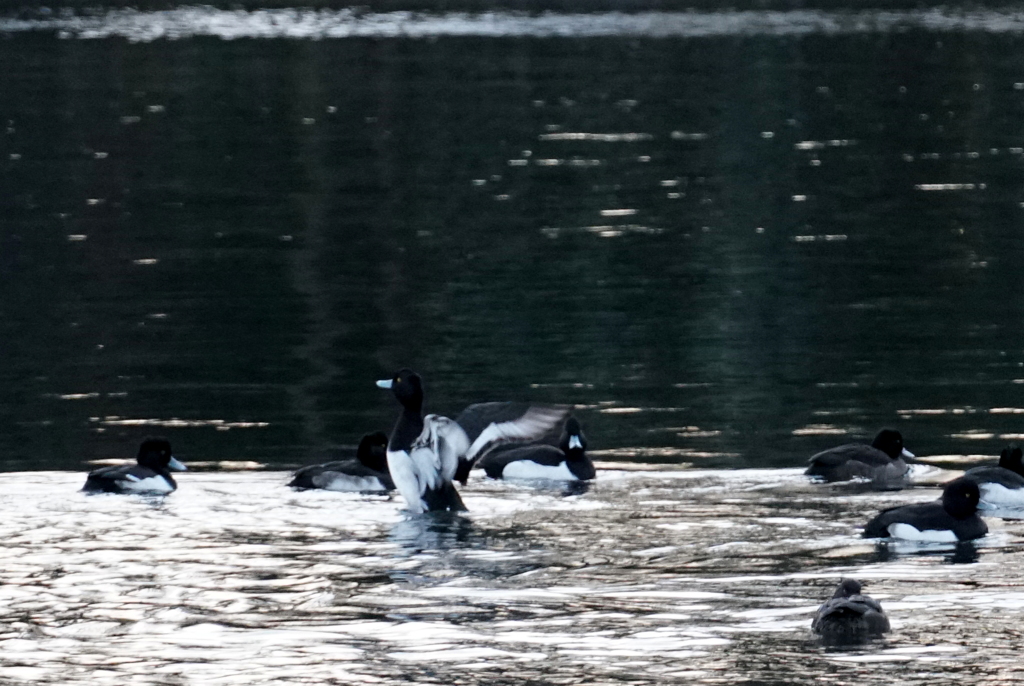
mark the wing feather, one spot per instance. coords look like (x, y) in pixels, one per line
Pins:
(450, 443)
(534, 423)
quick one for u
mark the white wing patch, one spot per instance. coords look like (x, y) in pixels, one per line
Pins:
(533, 424)
(527, 469)
(152, 484)
(911, 533)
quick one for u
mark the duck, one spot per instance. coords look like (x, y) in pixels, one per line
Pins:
(567, 462)
(849, 614)
(515, 423)
(425, 452)
(1001, 486)
(885, 460)
(367, 472)
(150, 474)
(950, 519)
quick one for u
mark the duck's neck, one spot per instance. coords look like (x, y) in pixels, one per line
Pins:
(407, 429)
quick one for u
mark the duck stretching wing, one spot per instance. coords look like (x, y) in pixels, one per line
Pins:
(489, 425)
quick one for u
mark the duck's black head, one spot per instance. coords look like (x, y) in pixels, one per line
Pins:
(407, 387)
(890, 442)
(573, 441)
(847, 588)
(155, 453)
(960, 497)
(1010, 459)
(373, 451)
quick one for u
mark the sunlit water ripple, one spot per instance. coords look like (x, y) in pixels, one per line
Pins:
(187, 22)
(653, 576)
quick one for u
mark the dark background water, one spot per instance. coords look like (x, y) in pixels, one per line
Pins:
(252, 231)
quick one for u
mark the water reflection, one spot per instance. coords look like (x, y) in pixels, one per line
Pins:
(963, 552)
(435, 531)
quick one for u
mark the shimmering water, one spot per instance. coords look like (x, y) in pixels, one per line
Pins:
(687, 576)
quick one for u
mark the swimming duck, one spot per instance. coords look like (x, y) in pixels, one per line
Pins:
(368, 471)
(424, 452)
(567, 462)
(952, 518)
(519, 423)
(1002, 486)
(882, 461)
(850, 615)
(151, 474)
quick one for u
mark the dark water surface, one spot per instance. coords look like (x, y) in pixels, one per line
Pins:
(731, 239)
(730, 250)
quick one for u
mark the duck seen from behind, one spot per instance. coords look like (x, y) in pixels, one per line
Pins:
(424, 452)
(952, 518)
(367, 472)
(1002, 487)
(884, 461)
(849, 615)
(150, 474)
(567, 462)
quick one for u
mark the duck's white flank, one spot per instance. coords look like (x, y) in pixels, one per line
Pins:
(336, 481)
(911, 533)
(527, 469)
(996, 496)
(152, 484)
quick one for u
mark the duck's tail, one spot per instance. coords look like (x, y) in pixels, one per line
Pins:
(444, 498)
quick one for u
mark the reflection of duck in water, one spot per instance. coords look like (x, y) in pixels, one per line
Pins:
(567, 462)
(884, 461)
(424, 453)
(1001, 486)
(368, 471)
(849, 615)
(150, 474)
(443, 531)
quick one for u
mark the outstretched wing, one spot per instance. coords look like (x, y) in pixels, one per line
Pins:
(489, 425)
(530, 425)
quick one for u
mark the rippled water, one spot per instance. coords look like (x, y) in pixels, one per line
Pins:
(190, 22)
(648, 577)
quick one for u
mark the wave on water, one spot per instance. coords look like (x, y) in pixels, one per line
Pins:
(309, 24)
